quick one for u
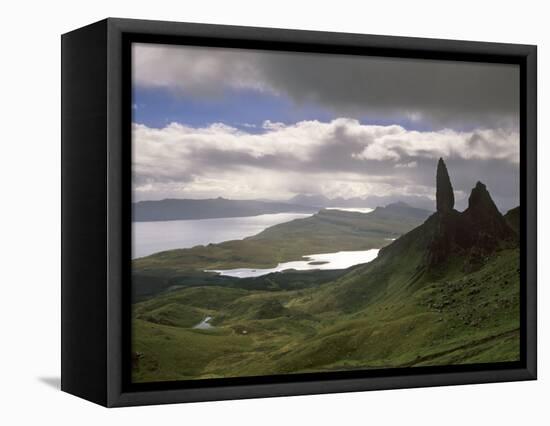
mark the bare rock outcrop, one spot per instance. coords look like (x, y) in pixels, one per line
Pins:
(476, 232)
(445, 198)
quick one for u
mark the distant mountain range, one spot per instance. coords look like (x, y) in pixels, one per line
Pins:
(186, 209)
(400, 211)
(190, 209)
(369, 201)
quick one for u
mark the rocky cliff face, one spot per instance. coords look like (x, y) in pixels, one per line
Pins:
(476, 232)
(449, 235)
(487, 226)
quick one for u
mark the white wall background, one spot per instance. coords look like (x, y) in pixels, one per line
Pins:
(30, 211)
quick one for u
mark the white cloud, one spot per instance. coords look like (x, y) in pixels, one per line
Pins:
(479, 144)
(338, 158)
(377, 151)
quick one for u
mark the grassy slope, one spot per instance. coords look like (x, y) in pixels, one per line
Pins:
(387, 313)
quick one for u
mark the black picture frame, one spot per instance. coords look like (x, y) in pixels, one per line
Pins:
(96, 211)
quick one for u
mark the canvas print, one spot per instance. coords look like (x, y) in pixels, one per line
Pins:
(309, 213)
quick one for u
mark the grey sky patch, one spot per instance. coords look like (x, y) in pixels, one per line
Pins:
(438, 93)
(441, 92)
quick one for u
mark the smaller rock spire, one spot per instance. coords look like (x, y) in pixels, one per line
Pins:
(480, 201)
(444, 195)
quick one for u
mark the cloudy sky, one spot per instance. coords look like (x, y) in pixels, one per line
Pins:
(247, 124)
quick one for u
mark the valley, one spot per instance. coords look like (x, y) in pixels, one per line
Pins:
(445, 292)
(327, 231)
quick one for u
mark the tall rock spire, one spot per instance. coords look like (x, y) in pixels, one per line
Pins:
(445, 199)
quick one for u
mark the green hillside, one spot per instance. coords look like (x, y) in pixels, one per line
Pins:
(369, 318)
(447, 292)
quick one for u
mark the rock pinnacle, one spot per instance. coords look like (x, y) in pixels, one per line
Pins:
(445, 199)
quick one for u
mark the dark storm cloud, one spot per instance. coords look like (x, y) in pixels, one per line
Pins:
(439, 93)
(449, 93)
